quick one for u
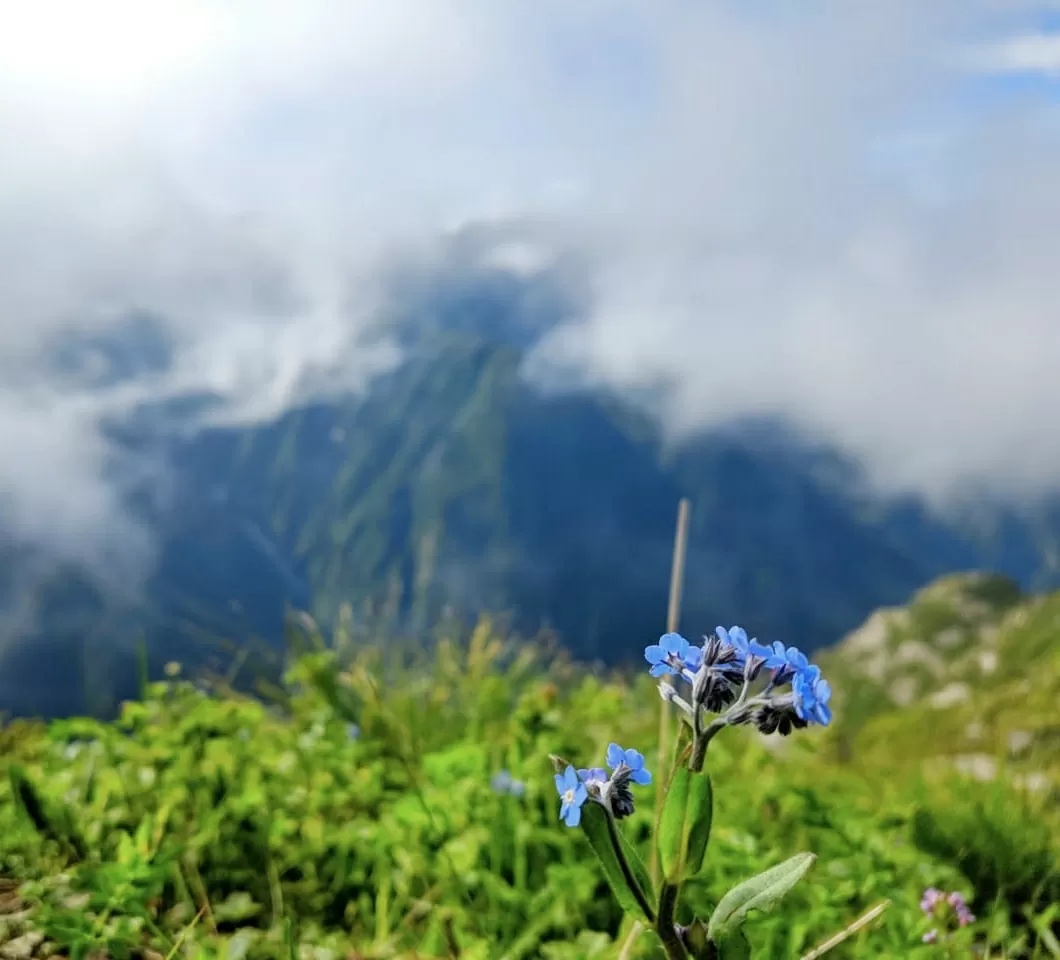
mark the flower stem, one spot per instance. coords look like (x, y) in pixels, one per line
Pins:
(699, 749)
(664, 926)
(627, 872)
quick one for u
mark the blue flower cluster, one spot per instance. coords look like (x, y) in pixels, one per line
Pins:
(720, 674)
(610, 789)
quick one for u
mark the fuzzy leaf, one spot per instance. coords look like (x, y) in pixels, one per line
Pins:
(599, 831)
(762, 892)
(684, 829)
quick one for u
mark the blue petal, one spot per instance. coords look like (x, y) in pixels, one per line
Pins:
(738, 637)
(570, 778)
(824, 690)
(660, 669)
(581, 794)
(641, 776)
(694, 657)
(634, 759)
(672, 642)
(615, 755)
(722, 634)
(564, 809)
(561, 784)
(574, 816)
(654, 653)
(824, 715)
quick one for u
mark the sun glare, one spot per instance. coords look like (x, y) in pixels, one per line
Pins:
(103, 50)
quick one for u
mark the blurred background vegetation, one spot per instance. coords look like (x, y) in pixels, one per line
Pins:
(351, 810)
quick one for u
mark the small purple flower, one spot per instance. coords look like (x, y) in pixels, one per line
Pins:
(931, 899)
(812, 693)
(632, 759)
(572, 795)
(944, 908)
(964, 915)
(673, 654)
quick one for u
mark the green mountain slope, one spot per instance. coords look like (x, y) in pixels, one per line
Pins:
(966, 676)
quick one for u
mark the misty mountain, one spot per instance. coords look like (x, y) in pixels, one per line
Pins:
(455, 484)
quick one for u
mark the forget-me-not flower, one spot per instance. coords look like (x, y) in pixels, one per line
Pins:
(573, 794)
(594, 778)
(812, 693)
(735, 638)
(633, 759)
(673, 654)
(785, 662)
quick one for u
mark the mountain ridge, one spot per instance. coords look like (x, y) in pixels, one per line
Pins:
(455, 485)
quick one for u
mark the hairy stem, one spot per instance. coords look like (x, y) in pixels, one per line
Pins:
(627, 872)
(664, 926)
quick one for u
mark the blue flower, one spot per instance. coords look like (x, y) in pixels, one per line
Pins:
(812, 693)
(594, 776)
(573, 794)
(632, 759)
(785, 662)
(504, 782)
(672, 654)
(353, 732)
(736, 637)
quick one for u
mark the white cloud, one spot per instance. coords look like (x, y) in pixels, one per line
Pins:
(1029, 53)
(782, 211)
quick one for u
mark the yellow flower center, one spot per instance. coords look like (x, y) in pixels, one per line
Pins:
(568, 797)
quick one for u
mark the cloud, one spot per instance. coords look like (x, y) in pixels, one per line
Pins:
(1037, 52)
(814, 213)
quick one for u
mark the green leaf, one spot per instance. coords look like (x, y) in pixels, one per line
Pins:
(633, 892)
(684, 829)
(762, 892)
(733, 947)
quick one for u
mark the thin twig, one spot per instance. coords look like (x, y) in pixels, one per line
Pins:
(673, 619)
(631, 938)
(847, 932)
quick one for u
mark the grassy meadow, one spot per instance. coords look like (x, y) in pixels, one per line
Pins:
(358, 812)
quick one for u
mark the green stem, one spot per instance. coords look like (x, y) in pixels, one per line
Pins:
(664, 926)
(699, 749)
(627, 872)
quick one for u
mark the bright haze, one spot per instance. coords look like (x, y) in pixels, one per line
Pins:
(846, 213)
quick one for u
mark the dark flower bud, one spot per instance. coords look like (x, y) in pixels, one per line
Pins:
(712, 690)
(777, 716)
(721, 655)
(616, 792)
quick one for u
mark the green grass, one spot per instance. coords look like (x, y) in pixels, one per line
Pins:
(218, 826)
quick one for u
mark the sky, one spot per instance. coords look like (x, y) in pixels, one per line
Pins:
(845, 213)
